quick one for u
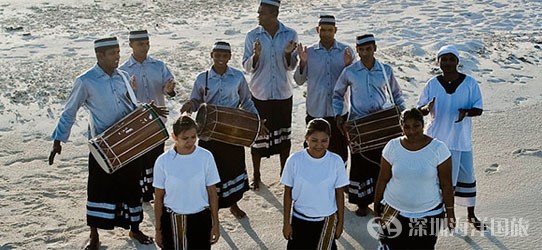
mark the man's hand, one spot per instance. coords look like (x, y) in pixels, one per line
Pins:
(348, 57)
(187, 107)
(57, 148)
(340, 124)
(462, 114)
(257, 48)
(170, 87)
(263, 129)
(133, 82)
(161, 110)
(290, 47)
(428, 107)
(303, 54)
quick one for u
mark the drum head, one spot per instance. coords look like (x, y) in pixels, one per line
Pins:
(100, 157)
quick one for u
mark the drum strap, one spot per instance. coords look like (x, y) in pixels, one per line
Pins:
(206, 86)
(388, 87)
(387, 105)
(130, 90)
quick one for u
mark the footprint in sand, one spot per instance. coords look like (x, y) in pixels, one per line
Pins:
(492, 168)
(527, 152)
(519, 100)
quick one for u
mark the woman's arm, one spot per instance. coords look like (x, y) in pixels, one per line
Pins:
(287, 226)
(383, 178)
(445, 180)
(213, 202)
(158, 208)
(339, 198)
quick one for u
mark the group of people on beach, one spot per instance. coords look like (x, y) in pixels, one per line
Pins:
(412, 180)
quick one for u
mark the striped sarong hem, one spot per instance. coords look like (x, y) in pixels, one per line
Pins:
(328, 233)
(178, 229)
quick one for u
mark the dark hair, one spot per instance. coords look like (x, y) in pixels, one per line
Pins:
(104, 49)
(274, 9)
(318, 125)
(413, 113)
(184, 123)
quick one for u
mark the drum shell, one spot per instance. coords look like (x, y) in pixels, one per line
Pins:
(131, 137)
(374, 130)
(227, 124)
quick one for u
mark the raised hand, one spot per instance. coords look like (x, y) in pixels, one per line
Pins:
(257, 48)
(290, 47)
(348, 57)
(170, 87)
(303, 54)
(133, 82)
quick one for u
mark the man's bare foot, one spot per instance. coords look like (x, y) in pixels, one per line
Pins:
(255, 185)
(362, 211)
(477, 224)
(237, 212)
(93, 244)
(141, 237)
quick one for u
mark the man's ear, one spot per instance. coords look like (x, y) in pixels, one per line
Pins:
(317, 29)
(375, 48)
(211, 54)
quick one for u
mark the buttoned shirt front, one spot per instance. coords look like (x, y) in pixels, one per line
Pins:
(368, 89)
(227, 90)
(269, 78)
(151, 77)
(321, 72)
(105, 97)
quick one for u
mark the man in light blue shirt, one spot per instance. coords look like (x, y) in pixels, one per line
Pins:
(319, 66)
(368, 81)
(153, 81)
(269, 55)
(114, 200)
(224, 86)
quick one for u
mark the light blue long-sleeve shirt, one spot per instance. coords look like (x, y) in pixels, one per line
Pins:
(105, 97)
(228, 90)
(321, 72)
(368, 92)
(151, 78)
(269, 78)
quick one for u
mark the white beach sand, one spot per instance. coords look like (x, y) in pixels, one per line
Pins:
(44, 45)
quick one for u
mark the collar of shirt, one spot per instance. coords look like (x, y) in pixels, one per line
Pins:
(320, 46)
(132, 61)
(100, 73)
(360, 66)
(281, 29)
(213, 74)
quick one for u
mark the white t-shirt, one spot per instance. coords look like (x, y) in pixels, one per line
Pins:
(185, 179)
(414, 185)
(457, 136)
(314, 181)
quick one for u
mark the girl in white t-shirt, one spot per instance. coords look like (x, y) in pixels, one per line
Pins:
(314, 180)
(414, 182)
(186, 201)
